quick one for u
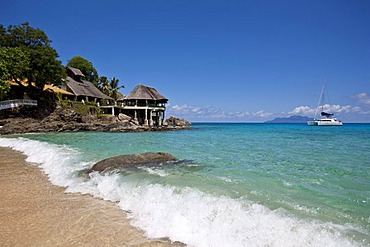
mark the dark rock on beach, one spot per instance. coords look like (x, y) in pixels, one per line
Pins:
(132, 160)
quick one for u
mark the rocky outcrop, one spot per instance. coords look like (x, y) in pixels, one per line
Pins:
(67, 119)
(132, 160)
(124, 118)
(176, 121)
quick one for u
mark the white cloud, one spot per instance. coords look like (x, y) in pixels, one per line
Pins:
(302, 110)
(210, 112)
(356, 109)
(363, 98)
(305, 110)
(262, 114)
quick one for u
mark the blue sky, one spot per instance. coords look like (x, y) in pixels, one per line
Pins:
(219, 60)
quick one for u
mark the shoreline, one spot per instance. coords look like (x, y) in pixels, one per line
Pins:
(14, 126)
(36, 213)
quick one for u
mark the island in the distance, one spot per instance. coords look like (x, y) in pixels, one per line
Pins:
(291, 119)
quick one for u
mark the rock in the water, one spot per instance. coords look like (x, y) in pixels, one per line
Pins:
(132, 160)
(176, 121)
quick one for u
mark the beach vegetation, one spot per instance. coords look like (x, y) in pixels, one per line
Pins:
(82, 108)
(27, 56)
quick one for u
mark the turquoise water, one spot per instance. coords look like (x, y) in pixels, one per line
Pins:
(241, 184)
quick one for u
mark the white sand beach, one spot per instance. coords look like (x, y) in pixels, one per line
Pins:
(33, 212)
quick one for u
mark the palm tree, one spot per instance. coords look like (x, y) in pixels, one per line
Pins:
(113, 88)
(104, 85)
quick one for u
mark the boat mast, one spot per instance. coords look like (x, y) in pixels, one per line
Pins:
(323, 95)
(321, 99)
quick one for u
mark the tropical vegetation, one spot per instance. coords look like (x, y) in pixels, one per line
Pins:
(26, 55)
(110, 87)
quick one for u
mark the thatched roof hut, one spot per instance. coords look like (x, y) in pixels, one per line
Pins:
(80, 87)
(141, 92)
(145, 105)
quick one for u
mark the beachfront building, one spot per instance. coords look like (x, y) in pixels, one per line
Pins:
(145, 105)
(83, 89)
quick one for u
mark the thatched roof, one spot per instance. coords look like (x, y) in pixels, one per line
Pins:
(56, 90)
(75, 71)
(85, 88)
(25, 83)
(141, 92)
(122, 98)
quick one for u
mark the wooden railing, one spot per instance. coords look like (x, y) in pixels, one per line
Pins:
(8, 104)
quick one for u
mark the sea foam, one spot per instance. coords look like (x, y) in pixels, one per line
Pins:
(182, 214)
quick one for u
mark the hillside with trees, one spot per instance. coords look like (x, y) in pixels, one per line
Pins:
(26, 54)
(28, 63)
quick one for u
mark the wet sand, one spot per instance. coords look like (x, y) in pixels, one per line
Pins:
(33, 212)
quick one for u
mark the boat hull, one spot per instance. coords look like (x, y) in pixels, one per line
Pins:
(312, 123)
(325, 122)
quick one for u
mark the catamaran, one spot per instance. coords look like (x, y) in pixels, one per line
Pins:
(326, 118)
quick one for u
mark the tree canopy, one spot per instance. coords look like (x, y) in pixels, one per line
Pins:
(25, 53)
(86, 68)
(14, 63)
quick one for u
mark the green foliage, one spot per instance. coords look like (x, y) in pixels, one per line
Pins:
(59, 96)
(34, 50)
(4, 89)
(86, 68)
(23, 36)
(103, 115)
(103, 85)
(14, 63)
(110, 88)
(45, 68)
(114, 88)
(83, 109)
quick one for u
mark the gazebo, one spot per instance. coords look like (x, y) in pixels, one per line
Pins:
(145, 105)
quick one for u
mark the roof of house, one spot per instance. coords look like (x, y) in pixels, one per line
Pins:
(46, 87)
(75, 71)
(85, 88)
(122, 98)
(142, 92)
(56, 89)
(24, 82)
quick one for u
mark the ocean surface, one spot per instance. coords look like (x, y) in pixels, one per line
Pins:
(238, 184)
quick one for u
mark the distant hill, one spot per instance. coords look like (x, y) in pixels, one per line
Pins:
(291, 119)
